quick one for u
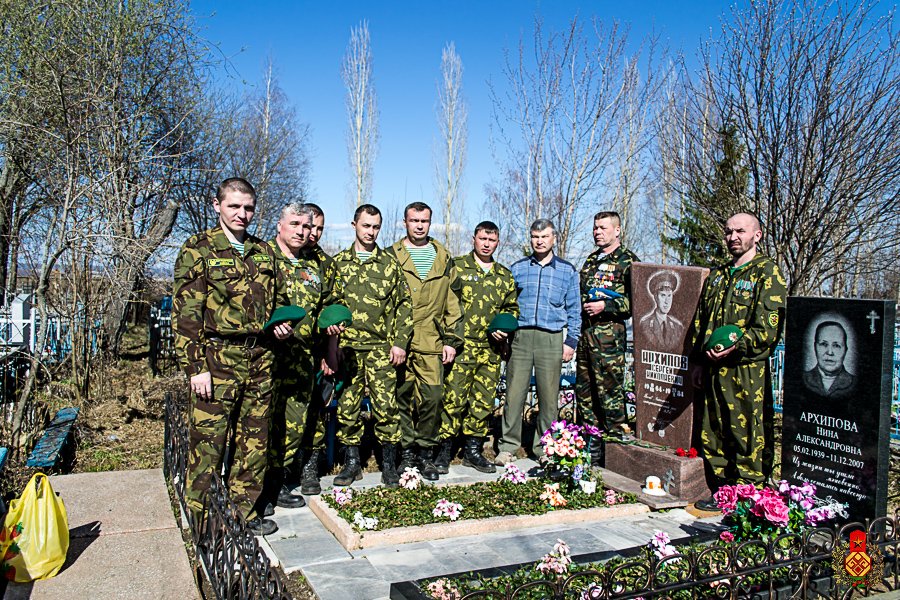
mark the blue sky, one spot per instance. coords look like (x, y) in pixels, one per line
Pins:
(307, 42)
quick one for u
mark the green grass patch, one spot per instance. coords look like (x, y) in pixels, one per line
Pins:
(403, 507)
(94, 460)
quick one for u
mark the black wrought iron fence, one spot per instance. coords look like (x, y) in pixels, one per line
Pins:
(228, 554)
(808, 565)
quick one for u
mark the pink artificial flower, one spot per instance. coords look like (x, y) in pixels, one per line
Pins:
(726, 498)
(773, 509)
(726, 536)
(660, 538)
(746, 491)
(808, 489)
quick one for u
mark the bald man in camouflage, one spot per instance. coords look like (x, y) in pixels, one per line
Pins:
(749, 292)
(487, 288)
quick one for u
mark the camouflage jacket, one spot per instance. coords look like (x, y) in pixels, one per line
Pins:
(309, 284)
(329, 267)
(483, 295)
(219, 293)
(377, 293)
(752, 297)
(437, 316)
(611, 271)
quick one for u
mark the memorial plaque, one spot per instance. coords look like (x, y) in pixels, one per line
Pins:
(664, 299)
(838, 363)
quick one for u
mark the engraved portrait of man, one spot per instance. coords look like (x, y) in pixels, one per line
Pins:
(660, 327)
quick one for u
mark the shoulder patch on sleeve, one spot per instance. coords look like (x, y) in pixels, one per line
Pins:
(773, 318)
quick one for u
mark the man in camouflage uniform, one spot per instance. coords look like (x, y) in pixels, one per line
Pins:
(749, 292)
(321, 343)
(437, 324)
(374, 347)
(600, 360)
(296, 423)
(487, 288)
(315, 234)
(225, 291)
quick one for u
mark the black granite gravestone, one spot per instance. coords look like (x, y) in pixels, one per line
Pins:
(837, 395)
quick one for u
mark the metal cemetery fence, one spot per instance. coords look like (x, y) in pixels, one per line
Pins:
(791, 566)
(228, 555)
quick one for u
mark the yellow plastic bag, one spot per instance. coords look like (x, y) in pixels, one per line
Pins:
(35, 536)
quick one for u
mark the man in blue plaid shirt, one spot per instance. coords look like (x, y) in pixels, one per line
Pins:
(549, 302)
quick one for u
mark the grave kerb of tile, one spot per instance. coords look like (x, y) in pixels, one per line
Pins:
(354, 540)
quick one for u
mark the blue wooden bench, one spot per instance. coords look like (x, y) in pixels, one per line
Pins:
(49, 449)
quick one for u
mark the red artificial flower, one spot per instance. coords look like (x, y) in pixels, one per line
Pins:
(692, 453)
(680, 452)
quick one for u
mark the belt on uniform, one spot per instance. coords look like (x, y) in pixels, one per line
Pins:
(246, 341)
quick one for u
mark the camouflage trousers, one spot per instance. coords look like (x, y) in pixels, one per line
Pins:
(297, 415)
(738, 423)
(471, 386)
(420, 392)
(600, 376)
(239, 410)
(368, 370)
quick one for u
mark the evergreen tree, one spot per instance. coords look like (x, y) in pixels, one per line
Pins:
(712, 198)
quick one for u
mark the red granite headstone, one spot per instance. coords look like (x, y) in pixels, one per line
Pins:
(664, 299)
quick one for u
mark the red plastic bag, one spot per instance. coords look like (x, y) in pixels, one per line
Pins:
(35, 535)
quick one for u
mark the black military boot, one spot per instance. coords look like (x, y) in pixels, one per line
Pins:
(473, 457)
(289, 481)
(426, 464)
(598, 452)
(444, 456)
(259, 526)
(409, 460)
(389, 475)
(309, 482)
(352, 470)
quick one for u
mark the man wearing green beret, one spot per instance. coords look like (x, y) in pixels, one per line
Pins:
(600, 360)
(374, 347)
(297, 428)
(437, 334)
(226, 288)
(487, 289)
(749, 293)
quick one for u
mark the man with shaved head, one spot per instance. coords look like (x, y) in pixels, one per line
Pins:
(749, 292)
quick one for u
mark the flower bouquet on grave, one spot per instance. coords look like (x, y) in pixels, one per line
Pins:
(567, 453)
(760, 512)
